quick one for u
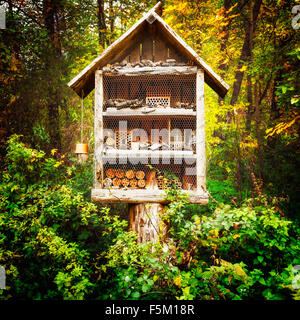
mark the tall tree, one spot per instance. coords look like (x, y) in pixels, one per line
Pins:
(250, 22)
(101, 23)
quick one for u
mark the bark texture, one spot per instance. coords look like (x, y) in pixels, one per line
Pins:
(145, 219)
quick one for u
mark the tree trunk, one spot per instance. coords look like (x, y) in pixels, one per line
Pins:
(111, 18)
(224, 40)
(53, 115)
(258, 133)
(51, 10)
(101, 23)
(146, 221)
(245, 57)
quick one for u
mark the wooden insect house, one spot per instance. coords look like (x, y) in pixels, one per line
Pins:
(149, 122)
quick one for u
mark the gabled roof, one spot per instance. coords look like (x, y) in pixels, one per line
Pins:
(84, 82)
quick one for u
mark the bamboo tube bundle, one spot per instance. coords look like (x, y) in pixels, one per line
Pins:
(177, 183)
(161, 182)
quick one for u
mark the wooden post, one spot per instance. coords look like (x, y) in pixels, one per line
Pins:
(200, 132)
(145, 220)
(98, 129)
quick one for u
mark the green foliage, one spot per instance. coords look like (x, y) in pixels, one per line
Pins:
(242, 252)
(43, 226)
(55, 244)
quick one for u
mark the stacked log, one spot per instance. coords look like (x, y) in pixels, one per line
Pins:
(140, 175)
(125, 182)
(117, 178)
(133, 183)
(130, 174)
(117, 182)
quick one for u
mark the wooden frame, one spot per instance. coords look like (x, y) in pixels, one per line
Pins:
(98, 129)
(200, 131)
(143, 195)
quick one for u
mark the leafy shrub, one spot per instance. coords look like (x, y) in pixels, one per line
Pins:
(56, 244)
(42, 227)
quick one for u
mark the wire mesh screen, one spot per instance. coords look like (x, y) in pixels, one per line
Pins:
(131, 92)
(149, 132)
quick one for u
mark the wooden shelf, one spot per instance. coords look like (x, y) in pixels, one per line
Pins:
(138, 71)
(142, 154)
(167, 112)
(143, 196)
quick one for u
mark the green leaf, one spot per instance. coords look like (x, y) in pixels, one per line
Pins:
(145, 288)
(262, 281)
(136, 295)
(260, 258)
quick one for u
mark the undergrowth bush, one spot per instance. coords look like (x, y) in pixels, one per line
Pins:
(56, 244)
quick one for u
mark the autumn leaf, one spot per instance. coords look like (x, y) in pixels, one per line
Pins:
(53, 151)
(177, 281)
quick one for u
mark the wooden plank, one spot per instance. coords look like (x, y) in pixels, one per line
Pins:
(168, 112)
(147, 48)
(172, 70)
(142, 196)
(141, 154)
(173, 54)
(160, 50)
(135, 54)
(200, 132)
(98, 128)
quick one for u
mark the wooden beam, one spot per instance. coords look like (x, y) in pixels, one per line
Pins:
(200, 132)
(172, 70)
(151, 19)
(145, 154)
(98, 128)
(142, 196)
(168, 112)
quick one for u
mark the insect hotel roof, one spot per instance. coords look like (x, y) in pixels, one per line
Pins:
(153, 26)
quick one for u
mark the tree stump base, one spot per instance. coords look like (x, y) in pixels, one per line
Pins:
(145, 219)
